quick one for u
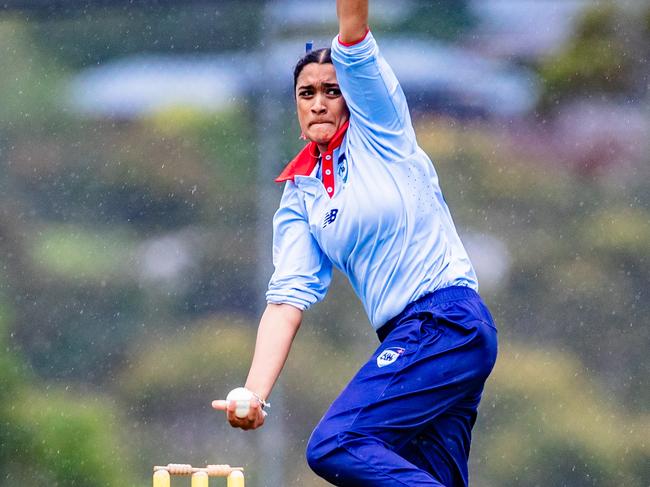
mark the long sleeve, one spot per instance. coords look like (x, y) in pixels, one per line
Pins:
(302, 271)
(379, 112)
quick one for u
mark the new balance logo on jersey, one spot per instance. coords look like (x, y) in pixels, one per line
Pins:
(330, 216)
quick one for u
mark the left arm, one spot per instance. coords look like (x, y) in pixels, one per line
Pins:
(379, 112)
(353, 20)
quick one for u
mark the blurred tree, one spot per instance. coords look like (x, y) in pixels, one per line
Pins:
(85, 37)
(543, 422)
(29, 90)
(442, 19)
(68, 7)
(49, 435)
(606, 56)
(578, 276)
(173, 173)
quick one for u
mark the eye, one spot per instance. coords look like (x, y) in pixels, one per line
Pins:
(305, 93)
(333, 91)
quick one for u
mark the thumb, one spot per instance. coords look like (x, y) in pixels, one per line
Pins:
(220, 405)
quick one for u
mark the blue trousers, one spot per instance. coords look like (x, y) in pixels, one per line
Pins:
(406, 417)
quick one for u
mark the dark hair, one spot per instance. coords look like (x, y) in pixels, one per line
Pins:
(319, 56)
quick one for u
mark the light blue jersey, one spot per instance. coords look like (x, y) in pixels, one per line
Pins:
(371, 205)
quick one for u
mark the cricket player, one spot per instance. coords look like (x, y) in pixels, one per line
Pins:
(364, 198)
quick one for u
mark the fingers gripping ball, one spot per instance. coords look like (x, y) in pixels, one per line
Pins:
(242, 398)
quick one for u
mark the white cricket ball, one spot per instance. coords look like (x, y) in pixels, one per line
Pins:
(242, 398)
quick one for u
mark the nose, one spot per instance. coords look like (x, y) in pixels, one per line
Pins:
(318, 107)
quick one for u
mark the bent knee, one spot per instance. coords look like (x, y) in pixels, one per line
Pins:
(317, 448)
(325, 454)
(316, 462)
(319, 458)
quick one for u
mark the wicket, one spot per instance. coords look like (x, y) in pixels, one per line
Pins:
(200, 476)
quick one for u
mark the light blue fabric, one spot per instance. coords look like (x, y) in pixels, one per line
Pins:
(387, 227)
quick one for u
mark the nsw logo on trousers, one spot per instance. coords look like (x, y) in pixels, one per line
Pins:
(389, 356)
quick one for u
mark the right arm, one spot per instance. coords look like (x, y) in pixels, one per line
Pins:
(278, 327)
(301, 278)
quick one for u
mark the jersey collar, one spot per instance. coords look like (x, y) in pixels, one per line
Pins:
(303, 164)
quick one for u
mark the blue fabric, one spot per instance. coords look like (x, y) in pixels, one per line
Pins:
(387, 226)
(406, 418)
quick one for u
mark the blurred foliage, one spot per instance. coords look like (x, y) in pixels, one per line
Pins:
(168, 170)
(51, 436)
(225, 141)
(108, 174)
(543, 420)
(78, 253)
(441, 19)
(578, 276)
(11, 372)
(218, 352)
(182, 362)
(84, 37)
(63, 439)
(30, 89)
(608, 55)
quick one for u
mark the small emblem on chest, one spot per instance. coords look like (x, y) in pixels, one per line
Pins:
(330, 216)
(343, 168)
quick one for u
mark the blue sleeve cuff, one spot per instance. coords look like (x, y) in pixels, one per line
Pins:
(296, 298)
(300, 291)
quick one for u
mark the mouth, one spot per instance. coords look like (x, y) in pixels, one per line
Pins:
(322, 122)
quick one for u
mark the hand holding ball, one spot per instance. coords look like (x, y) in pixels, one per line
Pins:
(242, 398)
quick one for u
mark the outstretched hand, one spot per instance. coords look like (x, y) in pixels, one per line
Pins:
(253, 420)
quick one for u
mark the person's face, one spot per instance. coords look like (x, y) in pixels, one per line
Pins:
(320, 105)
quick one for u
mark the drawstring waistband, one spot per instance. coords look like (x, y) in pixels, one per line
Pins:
(444, 295)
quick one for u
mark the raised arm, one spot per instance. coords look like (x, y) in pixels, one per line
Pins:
(379, 115)
(353, 19)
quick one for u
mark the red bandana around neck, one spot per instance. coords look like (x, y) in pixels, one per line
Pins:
(303, 164)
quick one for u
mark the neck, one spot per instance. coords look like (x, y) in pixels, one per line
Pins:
(336, 139)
